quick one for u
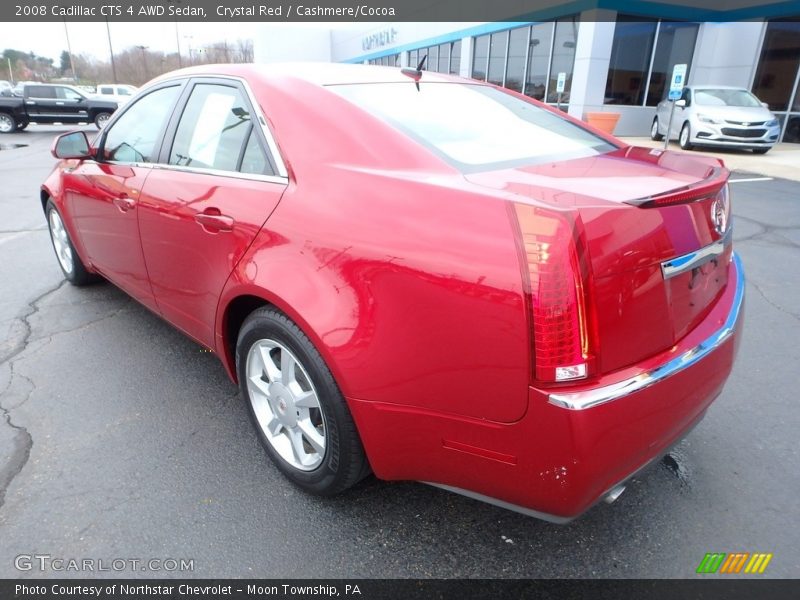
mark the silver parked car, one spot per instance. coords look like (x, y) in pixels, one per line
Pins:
(718, 116)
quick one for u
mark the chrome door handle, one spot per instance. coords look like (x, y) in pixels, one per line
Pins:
(213, 222)
(124, 203)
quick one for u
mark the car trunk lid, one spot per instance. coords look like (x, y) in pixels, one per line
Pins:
(656, 258)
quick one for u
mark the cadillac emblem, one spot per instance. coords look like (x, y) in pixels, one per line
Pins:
(719, 212)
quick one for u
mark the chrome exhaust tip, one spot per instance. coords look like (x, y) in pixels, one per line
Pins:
(615, 493)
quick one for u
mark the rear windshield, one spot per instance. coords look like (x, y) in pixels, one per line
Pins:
(475, 127)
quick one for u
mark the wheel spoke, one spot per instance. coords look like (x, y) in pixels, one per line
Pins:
(269, 366)
(287, 368)
(312, 436)
(274, 426)
(306, 399)
(296, 440)
(260, 385)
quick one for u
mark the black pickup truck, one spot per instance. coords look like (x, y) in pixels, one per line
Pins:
(52, 103)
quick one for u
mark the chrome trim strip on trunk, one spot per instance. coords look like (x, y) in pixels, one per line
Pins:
(596, 397)
(687, 262)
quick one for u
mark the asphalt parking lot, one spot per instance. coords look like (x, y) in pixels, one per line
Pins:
(121, 438)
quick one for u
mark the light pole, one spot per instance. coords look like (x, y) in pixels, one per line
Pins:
(111, 52)
(69, 50)
(144, 61)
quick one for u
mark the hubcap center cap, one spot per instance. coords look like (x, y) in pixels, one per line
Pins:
(282, 401)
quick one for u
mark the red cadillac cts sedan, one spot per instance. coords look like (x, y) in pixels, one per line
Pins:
(417, 275)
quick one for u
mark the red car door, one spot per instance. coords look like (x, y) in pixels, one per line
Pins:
(103, 195)
(201, 209)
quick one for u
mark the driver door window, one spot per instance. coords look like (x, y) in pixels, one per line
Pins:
(133, 137)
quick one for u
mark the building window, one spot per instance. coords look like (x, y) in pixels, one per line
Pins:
(455, 57)
(392, 60)
(674, 46)
(480, 57)
(643, 56)
(539, 45)
(444, 58)
(517, 52)
(776, 81)
(563, 57)
(527, 59)
(777, 68)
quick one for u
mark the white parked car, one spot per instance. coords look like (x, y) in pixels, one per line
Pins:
(118, 92)
(709, 115)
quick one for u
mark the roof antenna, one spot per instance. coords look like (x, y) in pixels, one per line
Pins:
(415, 74)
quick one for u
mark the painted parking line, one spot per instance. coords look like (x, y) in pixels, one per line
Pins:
(750, 179)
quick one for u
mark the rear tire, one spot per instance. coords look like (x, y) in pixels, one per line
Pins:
(8, 124)
(300, 415)
(71, 265)
(21, 126)
(685, 136)
(654, 134)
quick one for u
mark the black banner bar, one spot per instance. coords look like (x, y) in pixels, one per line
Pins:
(406, 589)
(384, 10)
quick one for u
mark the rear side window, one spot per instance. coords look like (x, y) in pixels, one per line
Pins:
(107, 91)
(475, 127)
(41, 91)
(213, 129)
(133, 137)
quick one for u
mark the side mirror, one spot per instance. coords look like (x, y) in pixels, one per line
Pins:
(680, 102)
(765, 104)
(71, 145)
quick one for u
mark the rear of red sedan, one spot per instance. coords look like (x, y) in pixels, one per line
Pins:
(632, 293)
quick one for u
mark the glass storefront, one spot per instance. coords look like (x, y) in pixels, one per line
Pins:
(392, 60)
(528, 59)
(444, 58)
(777, 75)
(643, 54)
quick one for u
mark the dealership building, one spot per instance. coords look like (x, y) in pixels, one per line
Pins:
(609, 61)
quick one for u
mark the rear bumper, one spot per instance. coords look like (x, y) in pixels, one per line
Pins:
(573, 446)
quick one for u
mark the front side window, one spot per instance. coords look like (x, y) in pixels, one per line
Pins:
(475, 127)
(107, 91)
(65, 93)
(133, 136)
(212, 130)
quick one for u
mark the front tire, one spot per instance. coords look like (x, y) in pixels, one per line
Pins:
(760, 150)
(299, 413)
(101, 119)
(71, 265)
(654, 134)
(8, 124)
(686, 135)
(22, 125)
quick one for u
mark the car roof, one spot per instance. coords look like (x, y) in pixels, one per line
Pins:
(314, 72)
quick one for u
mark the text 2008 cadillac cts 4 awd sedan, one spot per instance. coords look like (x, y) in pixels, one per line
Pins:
(421, 276)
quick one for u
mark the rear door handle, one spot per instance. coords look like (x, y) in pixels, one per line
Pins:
(214, 222)
(124, 203)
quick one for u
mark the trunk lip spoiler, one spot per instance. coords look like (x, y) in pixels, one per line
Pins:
(716, 178)
(595, 397)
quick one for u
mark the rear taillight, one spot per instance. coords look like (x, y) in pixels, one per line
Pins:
(556, 278)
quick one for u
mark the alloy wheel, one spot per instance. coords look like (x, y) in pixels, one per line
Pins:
(286, 404)
(61, 243)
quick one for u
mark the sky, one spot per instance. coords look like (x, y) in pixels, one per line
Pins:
(49, 39)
